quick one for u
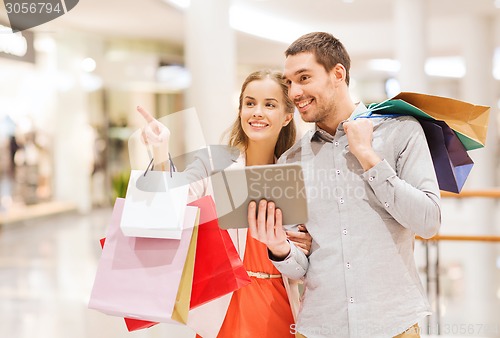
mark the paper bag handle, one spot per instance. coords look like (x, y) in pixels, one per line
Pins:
(151, 165)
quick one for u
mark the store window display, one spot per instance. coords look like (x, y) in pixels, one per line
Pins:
(25, 168)
(8, 147)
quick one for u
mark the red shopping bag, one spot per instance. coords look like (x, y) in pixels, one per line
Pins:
(218, 269)
(137, 324)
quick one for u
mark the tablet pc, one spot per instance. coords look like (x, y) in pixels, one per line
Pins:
(283, 184)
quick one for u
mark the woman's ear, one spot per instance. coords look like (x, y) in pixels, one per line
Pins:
(288, 118)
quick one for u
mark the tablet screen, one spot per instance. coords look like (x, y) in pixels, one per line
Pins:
(283, 184)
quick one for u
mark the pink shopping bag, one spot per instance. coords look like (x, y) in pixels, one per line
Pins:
(133, 324)
(139, 278)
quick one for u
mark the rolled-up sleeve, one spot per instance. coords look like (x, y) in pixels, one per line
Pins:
(294, 266)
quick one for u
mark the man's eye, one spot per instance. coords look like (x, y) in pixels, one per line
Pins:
(304, 77)
(271, 105)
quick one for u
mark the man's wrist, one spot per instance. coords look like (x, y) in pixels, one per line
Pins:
(368, 159)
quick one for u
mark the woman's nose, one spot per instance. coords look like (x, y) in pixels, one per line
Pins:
(257, 112)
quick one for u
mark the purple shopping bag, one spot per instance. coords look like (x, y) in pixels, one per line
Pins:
(452, 164)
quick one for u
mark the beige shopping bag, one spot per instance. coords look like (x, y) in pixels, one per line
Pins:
(469, 121)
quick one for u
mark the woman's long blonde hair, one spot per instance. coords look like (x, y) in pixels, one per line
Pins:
(286, 138)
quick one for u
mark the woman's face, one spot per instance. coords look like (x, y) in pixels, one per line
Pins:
(263, 111)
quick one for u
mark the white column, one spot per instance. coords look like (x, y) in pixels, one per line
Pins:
(410, 44)
(73, 136)
(481, 279)
(478, 87)
(211, 59)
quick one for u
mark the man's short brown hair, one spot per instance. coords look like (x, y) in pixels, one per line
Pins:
(327, 49)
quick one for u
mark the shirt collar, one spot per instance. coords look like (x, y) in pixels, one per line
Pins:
(360, 109)
(319, 134)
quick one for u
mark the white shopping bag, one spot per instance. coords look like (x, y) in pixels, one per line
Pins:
(154, 204)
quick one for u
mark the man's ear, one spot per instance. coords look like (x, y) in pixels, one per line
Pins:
(338, 72)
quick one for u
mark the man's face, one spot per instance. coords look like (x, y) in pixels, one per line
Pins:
(310, 87)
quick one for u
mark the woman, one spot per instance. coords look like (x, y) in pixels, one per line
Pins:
(263, 130)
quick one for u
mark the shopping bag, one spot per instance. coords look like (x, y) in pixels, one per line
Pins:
(467, 120)
(133, 324)
(218, 269)
(137, 324)
(145, 278)
(155, 204)
(451, 162)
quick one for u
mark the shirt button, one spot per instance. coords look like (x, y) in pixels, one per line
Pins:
(351, 300)
(348, 265)
(337, 143)
(344, 231)
(341, 200)
(386, 205)
(371, 178)
(338, 172)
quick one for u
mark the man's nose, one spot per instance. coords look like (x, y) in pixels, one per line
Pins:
(294, 91)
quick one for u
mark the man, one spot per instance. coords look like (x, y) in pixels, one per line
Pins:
(371, 187)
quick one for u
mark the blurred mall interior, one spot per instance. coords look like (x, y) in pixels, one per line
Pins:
(68, 95)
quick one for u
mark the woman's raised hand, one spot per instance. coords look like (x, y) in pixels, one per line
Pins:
(154, 133)
(157, 135)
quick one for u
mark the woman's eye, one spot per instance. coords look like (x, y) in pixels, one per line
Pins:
(250, 104)
(271, 105)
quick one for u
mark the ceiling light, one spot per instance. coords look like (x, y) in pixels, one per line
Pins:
(174, 76)
(181, 4)
(450, 66)
(496, 63)
(265, 25)
(12, 43)
(385, 65)
(88, 65)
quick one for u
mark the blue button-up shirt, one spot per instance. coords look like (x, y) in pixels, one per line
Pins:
(360, 278)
